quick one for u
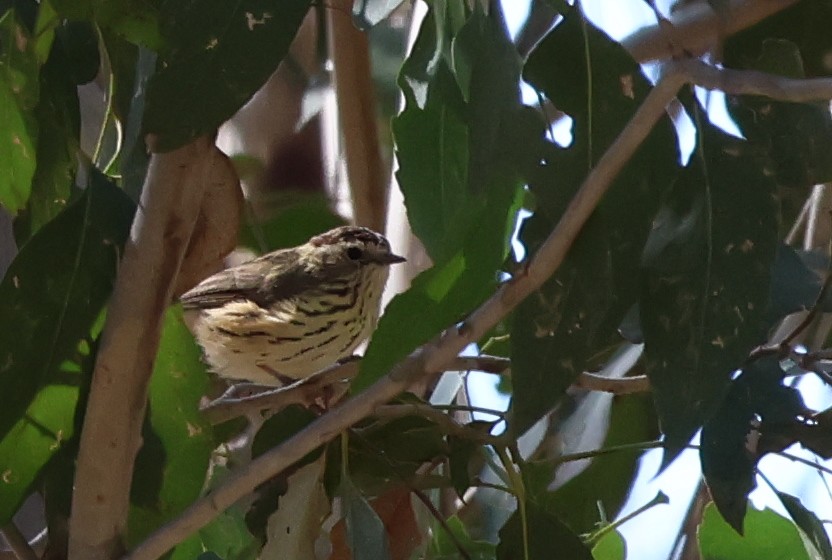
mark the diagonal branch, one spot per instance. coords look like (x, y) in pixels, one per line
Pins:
(436, 355)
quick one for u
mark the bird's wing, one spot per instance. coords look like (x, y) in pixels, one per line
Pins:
(263, 280)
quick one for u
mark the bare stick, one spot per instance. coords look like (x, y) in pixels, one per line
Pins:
(111, 436)
(350, 52)
(614, 385)
(436, 355)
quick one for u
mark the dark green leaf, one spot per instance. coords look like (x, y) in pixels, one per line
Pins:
(367, 13)
(390, 452)
(138, 21)
(767, 536)
(809, 523)
(79, 42)
(58, 112)
(184, 437)
(50, 298)
(703, 304)
(281, 427)
(219, 54)
(366, 535)
(796, 136)
(728, 460)
(460, 456)
(546, 535)
(301, 218)
(564, 328)
(19, 92)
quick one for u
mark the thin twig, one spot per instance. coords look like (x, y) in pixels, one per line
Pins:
(437, 355)
(17, 542)
(751, 82)
(615, 385)
(450, 425)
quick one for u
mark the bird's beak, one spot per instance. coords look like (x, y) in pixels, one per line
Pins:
(390, 258)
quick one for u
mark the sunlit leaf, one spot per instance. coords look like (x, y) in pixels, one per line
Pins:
(767, 536)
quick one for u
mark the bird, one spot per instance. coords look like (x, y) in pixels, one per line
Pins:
(288, 314)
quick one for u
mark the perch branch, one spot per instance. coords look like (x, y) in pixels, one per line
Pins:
(305, 391)
(436, 355)
(111, 435)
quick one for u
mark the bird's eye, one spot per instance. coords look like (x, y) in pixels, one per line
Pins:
(354, 253)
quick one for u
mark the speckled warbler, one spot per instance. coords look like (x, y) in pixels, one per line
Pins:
(293, 312)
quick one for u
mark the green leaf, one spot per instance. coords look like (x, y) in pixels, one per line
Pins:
(467, 256)
(179, 381)
(568, 325)
(708, 275)
(138, 21)
(19, 91)
(768, 536)
(611, 547)
(546, 535)
(281, 427)
(384, 452)
(367, 13)
(209, 70)
(809, 523)
(608, 479)
(41, 431)
(444, 547)
(54, 291)
(366, 535)
(728, 463)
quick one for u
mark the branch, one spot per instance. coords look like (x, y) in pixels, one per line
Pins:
(697, 28)
(440, 418)
(437, 355)
(305, 391)
(349, 49)
(111, 435)
(750, 82)
(615, 385)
